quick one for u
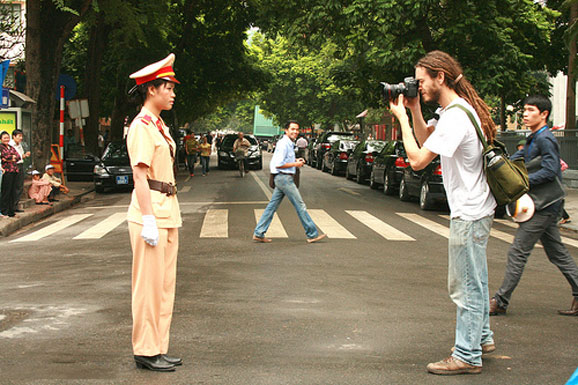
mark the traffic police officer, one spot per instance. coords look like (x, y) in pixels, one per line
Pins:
(153, 217)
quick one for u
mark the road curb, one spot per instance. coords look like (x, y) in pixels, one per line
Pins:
(10, 225)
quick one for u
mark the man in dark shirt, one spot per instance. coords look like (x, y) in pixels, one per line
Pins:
(543, 225)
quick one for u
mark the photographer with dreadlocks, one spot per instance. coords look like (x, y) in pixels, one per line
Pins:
(454, 139)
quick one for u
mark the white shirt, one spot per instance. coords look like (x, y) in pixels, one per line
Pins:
(284, 153)
(301, 142)
(460, 150)
(19, 149)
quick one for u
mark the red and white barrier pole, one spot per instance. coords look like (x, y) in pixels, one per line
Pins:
(61, 139)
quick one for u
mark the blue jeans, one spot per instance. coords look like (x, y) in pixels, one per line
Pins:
(468, 287)
(205, 164)
(284, 185)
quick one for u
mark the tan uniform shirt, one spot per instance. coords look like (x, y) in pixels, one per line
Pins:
(147, 145)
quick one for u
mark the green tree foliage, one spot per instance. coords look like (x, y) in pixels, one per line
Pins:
(301, 83)
(498, 42)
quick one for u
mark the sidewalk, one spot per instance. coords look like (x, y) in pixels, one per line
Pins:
(33, 213)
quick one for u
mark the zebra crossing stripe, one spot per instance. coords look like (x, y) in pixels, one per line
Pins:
(53, 228)
(386, 231)
(101, 229)
(276, 229)
(426, 223)
(185, 189)
(328, 225)
(216, 224)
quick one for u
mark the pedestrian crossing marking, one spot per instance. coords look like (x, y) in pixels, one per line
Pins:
(386, 231)
(329, 226)
(216, 224)
(53, 228)
(185, 189)
(276, 229)
(426, 223)
(104, 227)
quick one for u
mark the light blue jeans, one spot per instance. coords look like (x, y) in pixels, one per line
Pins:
(468, 287)
(284, 185)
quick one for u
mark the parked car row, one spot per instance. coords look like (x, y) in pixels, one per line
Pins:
(382, 164)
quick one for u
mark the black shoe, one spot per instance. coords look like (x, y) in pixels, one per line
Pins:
(155, 363)
(53, 200)
(18, 211)
(172, 360)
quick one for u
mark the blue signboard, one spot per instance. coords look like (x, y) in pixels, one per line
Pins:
(4, 70)
(5, 102)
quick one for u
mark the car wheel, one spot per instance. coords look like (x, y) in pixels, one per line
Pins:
(387, 187)
(333, 170)
(260, 165)
(99, 189)
(425, 199)
(358, 177)
(372, 183)
(220, 164)
(347, 174)
(403, 193)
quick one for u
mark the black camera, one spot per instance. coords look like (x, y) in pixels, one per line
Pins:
(408, 88)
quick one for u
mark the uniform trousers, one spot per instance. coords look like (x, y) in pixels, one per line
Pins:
(154, 271)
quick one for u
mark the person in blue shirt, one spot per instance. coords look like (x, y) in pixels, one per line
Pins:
(283, 166)
(543, 225)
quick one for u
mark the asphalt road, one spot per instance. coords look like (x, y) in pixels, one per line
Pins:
(354, 309)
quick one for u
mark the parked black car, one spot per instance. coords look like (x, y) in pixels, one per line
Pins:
(226, 156)
(78, 165)
(114, 171)
(361, 160)
(324, 144)
(311, 160)
(425, 184)
(335, 160)
(388, 167)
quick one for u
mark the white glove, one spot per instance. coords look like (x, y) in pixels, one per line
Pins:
(150, 232)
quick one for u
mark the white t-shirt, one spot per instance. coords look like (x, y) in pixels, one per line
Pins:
(460, 150)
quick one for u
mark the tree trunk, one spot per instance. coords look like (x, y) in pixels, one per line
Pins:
(571, 85)
(96, 48)
(47, 28)
(503, 123)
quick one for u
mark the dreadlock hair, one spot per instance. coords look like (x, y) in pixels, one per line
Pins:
(437, 61)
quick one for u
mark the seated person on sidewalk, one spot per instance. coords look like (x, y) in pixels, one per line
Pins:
(40, 189)
(56, 182)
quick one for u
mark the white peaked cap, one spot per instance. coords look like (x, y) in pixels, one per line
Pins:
(163, 69)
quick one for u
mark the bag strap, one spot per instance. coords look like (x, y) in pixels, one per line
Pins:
(474, 122)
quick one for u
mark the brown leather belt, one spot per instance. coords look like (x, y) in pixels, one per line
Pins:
(163, 187)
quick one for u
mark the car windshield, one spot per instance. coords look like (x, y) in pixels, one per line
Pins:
(76, 151)
(334, 137)
(375, 146)
(230, 140)
(115, 150)
(347, 145)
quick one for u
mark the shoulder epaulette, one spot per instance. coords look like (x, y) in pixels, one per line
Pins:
(146, 119)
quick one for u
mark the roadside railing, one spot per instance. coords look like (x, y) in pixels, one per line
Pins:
(568, 140)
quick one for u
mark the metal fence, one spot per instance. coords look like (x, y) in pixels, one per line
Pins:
(568, 140)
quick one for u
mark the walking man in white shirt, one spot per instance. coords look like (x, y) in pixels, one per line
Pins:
(283, 166)
(454, 138)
